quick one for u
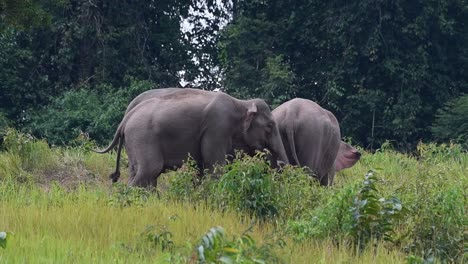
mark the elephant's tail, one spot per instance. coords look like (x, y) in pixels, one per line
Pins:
(112, 144)
(118, 138)
(292, 143)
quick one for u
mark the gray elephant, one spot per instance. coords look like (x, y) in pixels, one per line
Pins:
(311, 137)
(159, 133)
(153, 93)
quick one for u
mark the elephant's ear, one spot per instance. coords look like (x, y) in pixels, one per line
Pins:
(347, 156)
(251, 113)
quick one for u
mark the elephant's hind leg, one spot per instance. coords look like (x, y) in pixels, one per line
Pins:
(148, 169)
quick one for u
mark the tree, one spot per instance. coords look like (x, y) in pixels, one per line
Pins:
(92, 42)
(451, 121)
(383, 67)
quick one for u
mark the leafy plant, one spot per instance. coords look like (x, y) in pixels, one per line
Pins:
(247, 185)
(159, 237)
(298, 192)
(216, 248)
(438, 230)
(125, 196)
(34, 154)
(182, 182)
(451, 121)
(78, 115)
(330, 219)
(374, 216)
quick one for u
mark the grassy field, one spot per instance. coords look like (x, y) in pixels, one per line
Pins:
(57, 206)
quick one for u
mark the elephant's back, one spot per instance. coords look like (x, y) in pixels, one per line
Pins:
(153, 93)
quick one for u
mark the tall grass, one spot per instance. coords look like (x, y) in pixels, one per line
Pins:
(57, 205)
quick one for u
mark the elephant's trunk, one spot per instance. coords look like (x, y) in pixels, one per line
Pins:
(277, 149)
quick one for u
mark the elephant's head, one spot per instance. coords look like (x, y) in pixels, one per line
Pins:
(261, 131)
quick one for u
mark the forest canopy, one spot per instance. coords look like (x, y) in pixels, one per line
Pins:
(384, 68)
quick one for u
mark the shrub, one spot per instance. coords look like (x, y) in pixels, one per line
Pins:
(331, 218)
(96, 112)
(126, 196)
(216, 248)
(34, 155)
(4, 125)
(10, 168)
(358, 211)
(438, 228)
(182, 182)
(451, 122)
(373, 215)
(437, 153)
(159, 237)
(298, 192)
(247, 185)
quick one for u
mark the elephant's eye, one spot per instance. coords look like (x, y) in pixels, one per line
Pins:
(269, 128)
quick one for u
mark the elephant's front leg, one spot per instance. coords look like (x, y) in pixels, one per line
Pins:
(214, 149)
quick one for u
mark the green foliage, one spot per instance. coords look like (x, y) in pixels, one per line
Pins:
(48, 47)
(297, 192)
(159, 237)
(216, 248)
(436, 153)
(34, 155)
(96, 113)
(431, 190)
(247, 185)
(23, 14)
(330, 218)
(451, 121)
(374, 216)
(10, 168)
(251, 67)
(126, 196)
(182, 182)
(383, 68)
(4, 125)
(437, 231)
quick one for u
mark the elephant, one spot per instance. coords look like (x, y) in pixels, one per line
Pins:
(160, 133)
(153, 93)
(311, 137)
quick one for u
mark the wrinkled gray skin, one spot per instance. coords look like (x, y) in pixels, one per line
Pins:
(159, 133)
(311, 137)
(154, 93)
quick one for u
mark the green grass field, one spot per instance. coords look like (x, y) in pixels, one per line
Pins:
(57, 206)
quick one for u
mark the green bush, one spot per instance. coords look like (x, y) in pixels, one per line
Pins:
(126, 196)
(247, 185)
(214, 247)
(451, 122)
(374, 217)
(438, 228)
(34, 155)
(96, 113)
(297, 191)
(356, 211)
(4, 125)
(332, 218)
(182, 182)
(159, 237)
(10, 168)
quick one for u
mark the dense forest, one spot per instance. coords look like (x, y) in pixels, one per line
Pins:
(389, 70)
